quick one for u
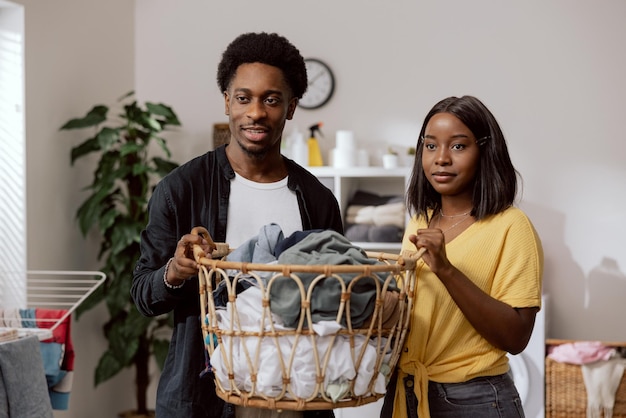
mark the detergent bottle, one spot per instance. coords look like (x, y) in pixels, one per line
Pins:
(315, 155)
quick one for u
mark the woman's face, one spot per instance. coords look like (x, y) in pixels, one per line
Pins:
(450, 156)
(258, 102)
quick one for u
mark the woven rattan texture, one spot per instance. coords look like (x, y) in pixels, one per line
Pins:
(388, 339)
(566, 396)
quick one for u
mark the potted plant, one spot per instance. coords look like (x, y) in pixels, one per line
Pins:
(116, 207)
(390, 159)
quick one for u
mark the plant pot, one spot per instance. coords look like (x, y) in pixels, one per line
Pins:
(390, 160)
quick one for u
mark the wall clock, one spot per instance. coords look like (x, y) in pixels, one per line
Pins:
(321, 84)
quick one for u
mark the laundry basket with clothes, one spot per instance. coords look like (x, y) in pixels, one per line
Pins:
(305, 322)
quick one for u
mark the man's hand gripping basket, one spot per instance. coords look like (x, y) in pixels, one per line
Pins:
(314, 365)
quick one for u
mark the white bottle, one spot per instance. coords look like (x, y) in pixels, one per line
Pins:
(287, 142)
(299, 149)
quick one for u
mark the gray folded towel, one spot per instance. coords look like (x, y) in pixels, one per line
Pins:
(23, 387)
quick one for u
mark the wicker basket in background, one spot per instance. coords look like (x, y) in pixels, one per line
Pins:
(566, 396)
(221, 134)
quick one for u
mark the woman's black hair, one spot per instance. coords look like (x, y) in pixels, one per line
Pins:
(265, 48)
(495, 185)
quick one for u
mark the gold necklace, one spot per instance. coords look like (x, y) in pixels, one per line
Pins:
(454, 216)
(453, 225)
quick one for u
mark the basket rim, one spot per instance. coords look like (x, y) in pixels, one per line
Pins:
(403, 263)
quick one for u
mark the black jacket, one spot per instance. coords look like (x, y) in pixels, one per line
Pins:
(197, 194)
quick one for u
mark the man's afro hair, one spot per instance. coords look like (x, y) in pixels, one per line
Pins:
(266, 48)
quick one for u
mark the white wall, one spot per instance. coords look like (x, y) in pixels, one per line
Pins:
(551, 73)
(77, 53)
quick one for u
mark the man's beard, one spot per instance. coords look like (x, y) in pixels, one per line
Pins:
(256, 154)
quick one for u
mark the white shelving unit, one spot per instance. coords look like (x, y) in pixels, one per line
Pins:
(344, 182)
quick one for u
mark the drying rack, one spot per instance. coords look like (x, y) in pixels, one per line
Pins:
(56, 289)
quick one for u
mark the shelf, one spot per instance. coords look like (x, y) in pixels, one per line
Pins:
(344, 182)
(326, 171)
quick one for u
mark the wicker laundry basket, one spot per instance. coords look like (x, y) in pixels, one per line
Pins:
(297, 374)
(566, 395)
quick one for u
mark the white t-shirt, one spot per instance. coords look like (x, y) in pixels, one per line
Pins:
(253, 205)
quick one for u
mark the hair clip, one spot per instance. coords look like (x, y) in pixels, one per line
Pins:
(482, 141)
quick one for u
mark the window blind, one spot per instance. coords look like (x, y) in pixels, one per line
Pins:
(12, 160)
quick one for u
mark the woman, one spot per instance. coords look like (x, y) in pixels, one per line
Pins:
(479, 280)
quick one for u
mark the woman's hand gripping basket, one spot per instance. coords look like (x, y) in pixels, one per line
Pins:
(337, 351)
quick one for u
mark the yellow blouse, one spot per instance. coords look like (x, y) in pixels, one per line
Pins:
(503, 256)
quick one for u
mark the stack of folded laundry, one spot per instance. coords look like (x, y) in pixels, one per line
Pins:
(374, 218)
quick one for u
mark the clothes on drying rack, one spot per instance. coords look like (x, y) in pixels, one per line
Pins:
(8, 334)
(10, 318)
(57, 352)
(58, 356)
(23, 387)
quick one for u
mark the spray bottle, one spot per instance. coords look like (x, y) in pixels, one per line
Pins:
(315, 155)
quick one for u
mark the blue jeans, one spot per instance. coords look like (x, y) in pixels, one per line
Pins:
(484, 397)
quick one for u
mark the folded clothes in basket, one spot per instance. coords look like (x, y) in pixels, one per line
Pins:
(326, 248)
(317, 247)
(273, 354)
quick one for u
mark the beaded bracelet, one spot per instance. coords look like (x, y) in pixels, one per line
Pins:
(168, 284)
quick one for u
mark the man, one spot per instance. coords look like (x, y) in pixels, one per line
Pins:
(232, 191)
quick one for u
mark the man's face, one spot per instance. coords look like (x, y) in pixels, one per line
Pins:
(258, 101)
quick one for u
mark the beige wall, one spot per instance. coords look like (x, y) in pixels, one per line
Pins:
(551, 72)
(77, 53)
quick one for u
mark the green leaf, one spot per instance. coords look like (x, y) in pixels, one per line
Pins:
(125, 234)
(140, 168)
(88, 213)
(94, 117)
(130, 93)
(90, 145)
(117, 330)
(151, 123)
(108, 217)
(163, 146)
(118, 299)
(90, 302)
(108, 366)
(131, 148)
(136, 324)
(163, 110)
(108, 137)
(163, 167)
